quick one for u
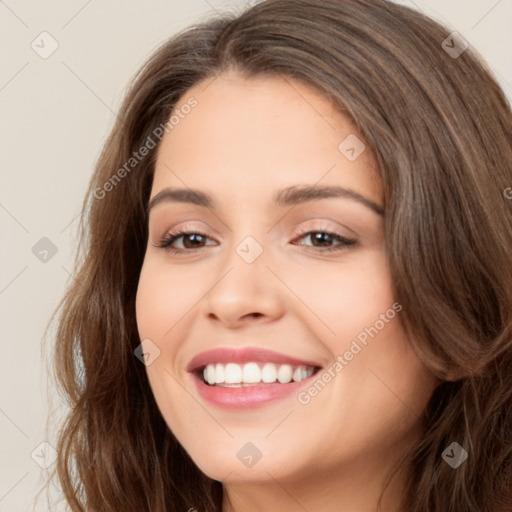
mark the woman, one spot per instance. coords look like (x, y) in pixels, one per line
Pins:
(295, 290)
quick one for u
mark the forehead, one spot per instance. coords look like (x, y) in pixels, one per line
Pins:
(261, 134)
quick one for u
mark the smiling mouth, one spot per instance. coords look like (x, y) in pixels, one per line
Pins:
(234, 375)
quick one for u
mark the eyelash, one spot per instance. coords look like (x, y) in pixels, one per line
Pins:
(168, 239)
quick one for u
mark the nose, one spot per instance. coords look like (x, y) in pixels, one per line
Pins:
(244, 291)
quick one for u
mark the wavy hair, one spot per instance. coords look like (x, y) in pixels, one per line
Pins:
(441, 131)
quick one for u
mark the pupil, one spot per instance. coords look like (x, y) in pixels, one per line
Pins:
(193, 238)
(322, 237)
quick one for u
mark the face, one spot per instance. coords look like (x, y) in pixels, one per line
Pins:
(259, 281)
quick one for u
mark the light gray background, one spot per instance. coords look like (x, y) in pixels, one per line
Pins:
(55, 115)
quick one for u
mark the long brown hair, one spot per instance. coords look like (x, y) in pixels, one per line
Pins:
(441, 130)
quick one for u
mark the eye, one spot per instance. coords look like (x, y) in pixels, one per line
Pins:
(323, 240)
(190, 240)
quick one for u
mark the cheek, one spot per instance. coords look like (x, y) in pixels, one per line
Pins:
(380, 383)
(346, 297)
(163, 298)
(162, 301)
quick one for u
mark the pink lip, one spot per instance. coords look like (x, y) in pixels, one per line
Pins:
(243, 355)
(250, 396)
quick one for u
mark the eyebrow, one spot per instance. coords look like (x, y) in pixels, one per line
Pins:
(290, 196)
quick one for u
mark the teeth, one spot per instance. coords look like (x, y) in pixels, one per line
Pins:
(211, 374)
(232, 373)
(285, 374)
(269, 373)
(236, 375)
(219, 373)
(251, 373)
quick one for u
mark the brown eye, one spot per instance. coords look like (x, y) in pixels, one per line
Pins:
(326, 241)
(190, 240)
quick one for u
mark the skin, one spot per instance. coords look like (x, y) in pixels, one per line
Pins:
(245, 140)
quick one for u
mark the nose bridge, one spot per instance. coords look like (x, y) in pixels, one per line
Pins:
(243, 285)
(247, 245)
(249, 250)
(244, 266)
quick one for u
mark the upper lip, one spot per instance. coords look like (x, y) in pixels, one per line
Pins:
(243, 355)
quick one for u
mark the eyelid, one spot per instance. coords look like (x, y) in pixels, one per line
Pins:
(297, 231)
(179, 233)
(326, 224)
(196, 226)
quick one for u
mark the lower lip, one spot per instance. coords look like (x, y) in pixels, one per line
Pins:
(249, 396)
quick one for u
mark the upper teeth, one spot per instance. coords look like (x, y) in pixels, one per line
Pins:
(252, 373)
